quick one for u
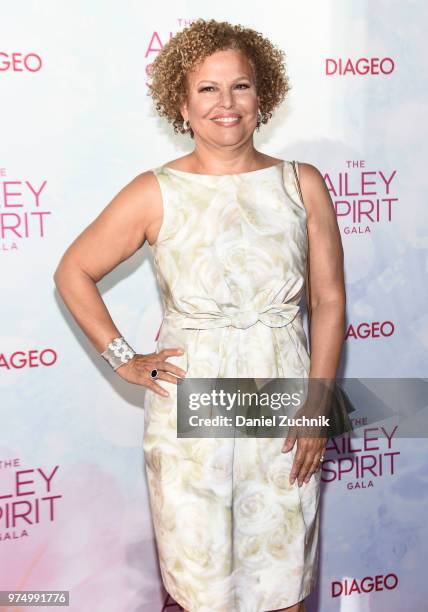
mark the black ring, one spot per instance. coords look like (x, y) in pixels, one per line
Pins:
(153, 373)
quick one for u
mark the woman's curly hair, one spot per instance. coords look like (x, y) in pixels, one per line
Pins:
(189, 47)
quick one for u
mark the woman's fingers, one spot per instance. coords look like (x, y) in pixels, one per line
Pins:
(150, 384)
(297, 462)
(315, 466)
(164, 368)
(139, 368)
(289, 440)
(166, 365)
(306, 460)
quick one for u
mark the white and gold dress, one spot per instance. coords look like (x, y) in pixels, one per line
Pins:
(232, 534)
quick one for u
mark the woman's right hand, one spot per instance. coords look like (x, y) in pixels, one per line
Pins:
(138, 369)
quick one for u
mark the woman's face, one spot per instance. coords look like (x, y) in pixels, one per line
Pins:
(222, 86)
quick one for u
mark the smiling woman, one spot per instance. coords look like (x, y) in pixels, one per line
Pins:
(230, 256)
(264, 76)
(236, 520)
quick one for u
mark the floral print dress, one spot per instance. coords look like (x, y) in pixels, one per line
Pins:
(232, 534)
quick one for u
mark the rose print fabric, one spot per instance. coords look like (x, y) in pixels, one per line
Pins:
(232, 534)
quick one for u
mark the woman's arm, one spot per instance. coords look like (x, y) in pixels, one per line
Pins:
(115, 235)
(328, 301)
(327, 286)
(133, 216)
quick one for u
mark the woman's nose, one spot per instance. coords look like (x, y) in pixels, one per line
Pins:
(226, 97)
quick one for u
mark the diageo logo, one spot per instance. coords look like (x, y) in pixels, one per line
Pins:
(361, 66)
(354, 586)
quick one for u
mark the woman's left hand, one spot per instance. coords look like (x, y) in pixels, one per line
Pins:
(307, 459)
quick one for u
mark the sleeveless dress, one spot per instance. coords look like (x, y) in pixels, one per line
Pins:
(232, 534)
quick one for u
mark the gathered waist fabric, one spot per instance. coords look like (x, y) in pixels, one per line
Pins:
(240, 333)
(274, 315)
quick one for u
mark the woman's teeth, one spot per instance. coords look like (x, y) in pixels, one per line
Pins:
(226, 119)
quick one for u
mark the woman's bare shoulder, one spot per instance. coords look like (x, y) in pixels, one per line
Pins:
(309, 174)
(314, 190)
(146, 180)
(150, 211)
(146, 186)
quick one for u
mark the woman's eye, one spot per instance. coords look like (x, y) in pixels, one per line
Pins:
(211, 87)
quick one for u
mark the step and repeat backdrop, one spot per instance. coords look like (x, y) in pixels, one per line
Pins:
(77, 126)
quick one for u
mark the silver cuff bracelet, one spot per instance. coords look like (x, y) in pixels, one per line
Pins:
(118, 352)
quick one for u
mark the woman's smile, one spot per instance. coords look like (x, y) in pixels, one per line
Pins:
(226, 121)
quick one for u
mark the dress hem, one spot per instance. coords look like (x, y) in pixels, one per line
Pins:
(269, 609)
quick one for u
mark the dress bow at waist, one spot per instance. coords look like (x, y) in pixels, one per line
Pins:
(275, 315)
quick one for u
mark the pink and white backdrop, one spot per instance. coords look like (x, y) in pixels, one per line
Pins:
(77, 125)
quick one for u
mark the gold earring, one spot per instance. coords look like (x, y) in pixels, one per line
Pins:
(187, 125)
(259, 120)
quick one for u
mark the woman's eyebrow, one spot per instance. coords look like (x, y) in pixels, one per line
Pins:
(215, 82)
